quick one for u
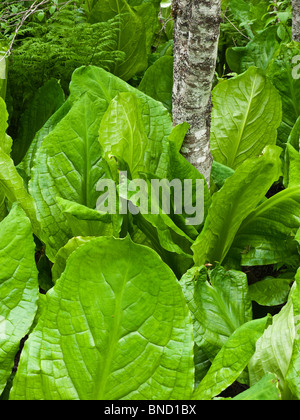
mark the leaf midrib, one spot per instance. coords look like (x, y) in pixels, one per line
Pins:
(103, 372)
(233, 155)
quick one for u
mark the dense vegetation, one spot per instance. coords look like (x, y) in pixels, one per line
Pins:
(143, 305)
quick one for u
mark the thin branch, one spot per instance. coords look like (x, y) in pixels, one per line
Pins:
(245, 36)
(33, 8)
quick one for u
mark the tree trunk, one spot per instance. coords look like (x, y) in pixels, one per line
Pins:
(196, 36)
(296, 20)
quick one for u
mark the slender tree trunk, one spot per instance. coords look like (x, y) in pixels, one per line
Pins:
(296, 20)
(196, 36)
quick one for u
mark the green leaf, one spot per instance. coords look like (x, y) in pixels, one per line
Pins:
(115, 326)
(264, 390)
(231, 360)
(274, 350)
(294, 137)
(64, 253)
(282, 76)
(5, 146)
(158, 81)
(5, 140)
(18, 287)
(245, 117)
(276, 60)
(178, 134)
(84, 221)
(267, 235)
(69, 165)
(13, 187)
(122, 134)
(41, 16)
(291, 167)
(239, 196)
(219, 173)
(293, 373)
(259, 52)
(155, 118)
(218, 306)
(270, 291)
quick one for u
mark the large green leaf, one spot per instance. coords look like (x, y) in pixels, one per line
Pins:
(231, 360)
(291, 166)
(122, 134)
(156, 119)
(158, 81)
(68, 165)
(265, 390)
(84, 221)
(5, 140)
(245, 117)
(239, 196)
(18, 287)
(294, 137)
(282, 76)
(73, 151)
(274, 350)
(293, 373)
(277, 351)
(12, 185)
(276, 60)
(271, 291)
(63, 254)
(115, 326)
(5, 147)
(219, 305)
(267, 235)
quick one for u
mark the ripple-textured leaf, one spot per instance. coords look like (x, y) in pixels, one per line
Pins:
(245, 117)
(115, 326)
(18, 287)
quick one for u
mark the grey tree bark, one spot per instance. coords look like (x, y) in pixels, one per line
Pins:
(296, 20)
(196, 36)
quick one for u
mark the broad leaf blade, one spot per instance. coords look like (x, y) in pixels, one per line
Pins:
(12, 185)
(264, 390)
(291, 167)
(239, 196)
(156, 119)
(231, 360)
(158, 81)
(69, 165)
(267, 235)
(245, 117)
(218, 306)
(274, 350)
(122, 133)
(18, 287)
(115, 326)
